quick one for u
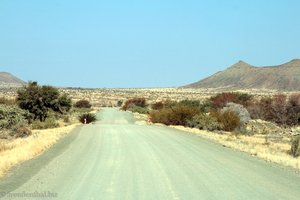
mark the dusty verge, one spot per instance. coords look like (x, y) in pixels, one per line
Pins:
(256, 145)
(19, 150)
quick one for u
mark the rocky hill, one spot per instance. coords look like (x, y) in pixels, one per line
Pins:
(285, 77)
(8, 80)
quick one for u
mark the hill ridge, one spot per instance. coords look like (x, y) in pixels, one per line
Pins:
(242, 75)
(9, 80)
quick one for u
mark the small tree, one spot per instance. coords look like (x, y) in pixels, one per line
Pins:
(140, 102)
(83, 104)
(30, 98)
(39, 99)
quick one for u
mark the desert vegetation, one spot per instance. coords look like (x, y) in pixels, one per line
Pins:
(241, 117)
(137, 105)
(34, 119)
(87, 118)
(265, 126)
(82, 104)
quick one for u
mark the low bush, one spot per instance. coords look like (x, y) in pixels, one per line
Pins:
(220, 100)
(82, 104)
(191, 103)
(229, 120)
(295, 146)
(87, 118)
(138, 109)
(11, 116)
(66, 119)
(204, 122)
(158, 105)
(205, 106)
(119, 103)
(20, 131)
(281, 109)
(176, 115)
(240, 110)
(50, 122)
(140, 102)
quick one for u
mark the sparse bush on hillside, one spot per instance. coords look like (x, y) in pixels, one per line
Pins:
(204, 122)
(140, 102)
(38, 100)
(82, 104)
(87, 118)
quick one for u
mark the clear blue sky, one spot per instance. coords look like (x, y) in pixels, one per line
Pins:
(153, 43)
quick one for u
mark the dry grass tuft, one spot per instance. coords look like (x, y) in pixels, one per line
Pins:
(15, 151)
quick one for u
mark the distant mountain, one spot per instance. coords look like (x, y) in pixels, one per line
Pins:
(285, 77)
(8, 80)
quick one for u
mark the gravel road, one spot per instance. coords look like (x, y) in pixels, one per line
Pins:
(116, 158)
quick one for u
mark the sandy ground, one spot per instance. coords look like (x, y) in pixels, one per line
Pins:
(255, 145)
(19, 150)
(258, 145)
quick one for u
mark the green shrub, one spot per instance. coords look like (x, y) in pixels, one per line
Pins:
(38, 100)
(82, 104)
(295, 146)
(119, 103)
(178, 114)
(87, 118)
(50, 122)
(10, 116)
(191, 103)
(138, 109)
(205, 106)
(204, 122)
(140, 102)
(229, 120)
(66, 119)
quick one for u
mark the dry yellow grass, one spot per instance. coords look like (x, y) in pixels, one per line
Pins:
(19, 150)
(256, 145)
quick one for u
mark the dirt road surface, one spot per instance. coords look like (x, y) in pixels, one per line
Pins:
(116, 158)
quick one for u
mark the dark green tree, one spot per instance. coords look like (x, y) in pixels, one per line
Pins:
(38, 100)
